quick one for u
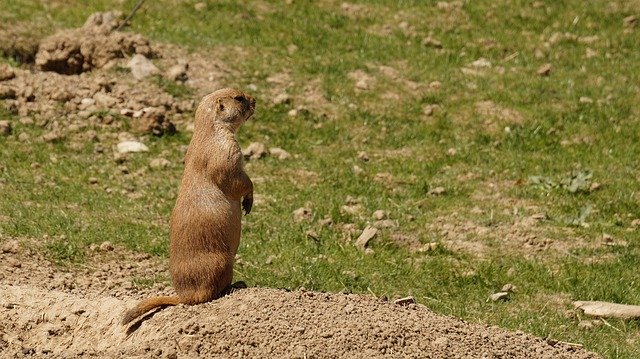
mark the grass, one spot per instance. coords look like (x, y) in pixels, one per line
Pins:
(552, 134)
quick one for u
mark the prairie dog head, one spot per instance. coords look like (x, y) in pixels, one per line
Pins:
(227, 108)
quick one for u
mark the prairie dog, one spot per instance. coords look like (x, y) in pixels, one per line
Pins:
(205, 222)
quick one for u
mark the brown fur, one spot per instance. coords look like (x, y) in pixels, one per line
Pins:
(205, 222)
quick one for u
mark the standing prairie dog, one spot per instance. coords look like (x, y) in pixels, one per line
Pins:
(205, 222)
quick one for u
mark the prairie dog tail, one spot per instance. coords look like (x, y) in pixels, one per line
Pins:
(148, 304)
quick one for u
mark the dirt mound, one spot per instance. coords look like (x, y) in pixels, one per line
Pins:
(92, 46)
(56, 313)
(85, 77)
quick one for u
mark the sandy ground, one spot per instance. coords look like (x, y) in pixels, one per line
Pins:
(54, 312)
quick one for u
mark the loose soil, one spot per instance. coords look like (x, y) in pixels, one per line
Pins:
(56, 312)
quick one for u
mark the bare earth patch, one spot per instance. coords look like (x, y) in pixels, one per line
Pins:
(58, 313)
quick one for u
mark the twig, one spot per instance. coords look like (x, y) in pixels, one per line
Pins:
(135, 8)
(609, 325)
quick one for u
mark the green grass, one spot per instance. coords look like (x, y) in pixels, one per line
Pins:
(487, 181)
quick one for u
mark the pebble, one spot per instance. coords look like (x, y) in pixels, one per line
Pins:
(131, 146)
(367, 235)
(279, 153)
(5, 128)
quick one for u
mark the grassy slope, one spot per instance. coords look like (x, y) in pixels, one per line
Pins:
(56, 199)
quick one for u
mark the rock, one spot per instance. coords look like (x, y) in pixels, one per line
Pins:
(5, 128)
(131, 146)
(177, 72)
(367, 234)
(544, 70)
(7, 93)
(106, 246)
(104, 100)
(282, 98)
(502, 296)
(23, 137)
(363, 156)
(93, 180)
(380, 214)
(508, 288)
(431, 42)
(585, 99)
(12, 246)
(159, 163)
(405, 301)
(630, 21)
(302, 214)
(200, 6)
(437, 191)
(481, 63)
(6, 72)
(52, 136)
(385, 223)
(279, 153)
(152, 120)
(254, 151)
(142, 67)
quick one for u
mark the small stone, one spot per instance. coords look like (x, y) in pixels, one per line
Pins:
(254, 151)
(594, 187)
(7, 93)
(131, 146)
(508, 288)
(311, 234)
(452, 151)
(325, 222)
(385, 223)
(282, 99)
(159, 163)
(293, 113)
(279, 153)
(106, 246)
(142, 67)
(367, 234)
(500, 296)
(481, 63)
(435, 85)
(103, 100)
(13, 262)
(635, 223)
(52, 136)
(363, 156)
(357, 170)
(93, 180)
(302, 214)
(589, 324)
(431, 42)
(437, 191)
(11, 246)
(27, 121)
(585, 99)
(298, 329)
(270, 259)
(6, 72)
(177, 73)
(200, 6)
(544, 70)
(23, 137)
(630, 21)
(380, 214)
(405, 301)
(5, 128)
